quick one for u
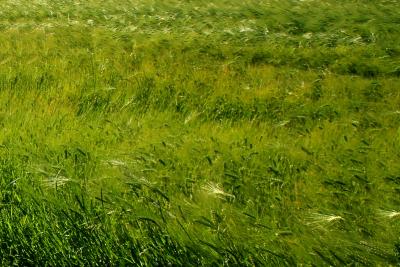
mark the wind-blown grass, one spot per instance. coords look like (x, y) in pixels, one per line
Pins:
(199, 133)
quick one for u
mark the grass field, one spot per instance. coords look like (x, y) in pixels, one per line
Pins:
(251, 133)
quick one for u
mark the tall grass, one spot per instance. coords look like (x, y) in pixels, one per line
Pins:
(254, 133)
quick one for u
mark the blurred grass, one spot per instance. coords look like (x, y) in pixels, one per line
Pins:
(199, 133)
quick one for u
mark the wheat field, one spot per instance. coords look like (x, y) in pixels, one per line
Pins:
(199, 133)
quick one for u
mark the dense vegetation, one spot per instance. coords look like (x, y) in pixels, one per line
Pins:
(199, 132)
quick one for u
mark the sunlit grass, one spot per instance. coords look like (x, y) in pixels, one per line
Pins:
(190, 133)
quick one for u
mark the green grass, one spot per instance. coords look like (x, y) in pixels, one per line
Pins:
(251, 133)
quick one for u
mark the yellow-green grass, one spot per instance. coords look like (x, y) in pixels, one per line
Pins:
(199, 133)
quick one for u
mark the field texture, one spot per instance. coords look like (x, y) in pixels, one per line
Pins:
(215, 132)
